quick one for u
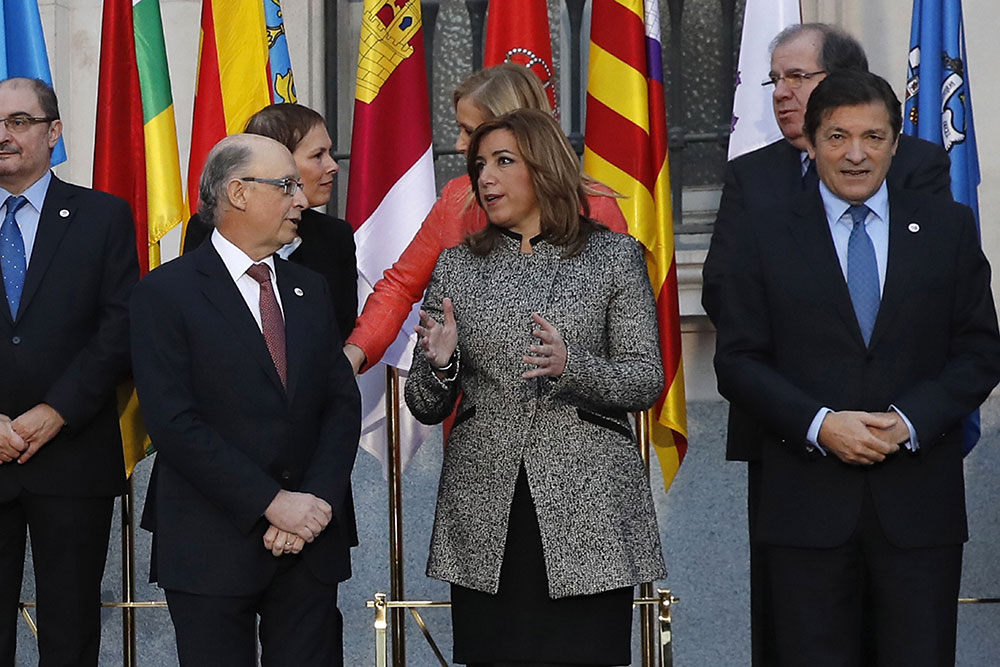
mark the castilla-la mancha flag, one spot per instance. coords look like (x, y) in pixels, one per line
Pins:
(517, 31)
(135, 150)
(626, 148)
(391, 183)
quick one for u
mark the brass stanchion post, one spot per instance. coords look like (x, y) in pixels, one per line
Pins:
(647, 613)
(395, 479)
(128, 576)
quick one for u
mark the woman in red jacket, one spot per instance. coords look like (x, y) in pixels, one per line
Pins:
(482, 96)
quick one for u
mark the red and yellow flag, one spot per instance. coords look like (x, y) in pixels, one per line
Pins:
(626, 147)
(135, 149)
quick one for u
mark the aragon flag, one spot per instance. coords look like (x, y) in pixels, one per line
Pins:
(518, 31)
(135, 150)
(242, 67)
(626, 148)
(390, 187)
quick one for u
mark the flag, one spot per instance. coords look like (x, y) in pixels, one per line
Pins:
(940, 110)
(626, 147)
(390, 188)
(234, 76)
(518, 31)
(135, 150)
(753, 123)
(22, 50)
(281, 83)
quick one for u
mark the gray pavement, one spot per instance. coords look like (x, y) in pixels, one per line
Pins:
(702, 519)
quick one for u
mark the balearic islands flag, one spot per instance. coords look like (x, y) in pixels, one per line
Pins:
(753, 116)
(518, 31)
(22, 50)
(938, 108)
(626, 147)
(391, 183)
(135, 149)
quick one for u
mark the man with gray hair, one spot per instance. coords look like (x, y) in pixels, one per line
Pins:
(255, 415)
(801, 56)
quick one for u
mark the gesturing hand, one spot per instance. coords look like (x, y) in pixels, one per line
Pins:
(301, 514)
(438, 341)
(849, 436)
(549, 356)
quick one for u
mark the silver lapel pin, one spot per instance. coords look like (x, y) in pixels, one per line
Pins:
(298, 291)
(913, 227)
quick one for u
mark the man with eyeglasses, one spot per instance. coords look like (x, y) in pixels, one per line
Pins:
(801, 56)
(255, 415)
(68, 259)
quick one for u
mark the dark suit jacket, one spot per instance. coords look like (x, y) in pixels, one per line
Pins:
(228, 435)
(789, 344)
(69, 345)
(772, 176)
(327, 248)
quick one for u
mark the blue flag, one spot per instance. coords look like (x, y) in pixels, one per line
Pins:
(938, 108)
(22, 49)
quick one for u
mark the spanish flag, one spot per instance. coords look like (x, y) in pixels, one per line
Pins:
(135, 149)
(626, 147)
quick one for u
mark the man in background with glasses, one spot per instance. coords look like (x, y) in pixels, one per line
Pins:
(68, 259)
(255, 416)
(801, 56)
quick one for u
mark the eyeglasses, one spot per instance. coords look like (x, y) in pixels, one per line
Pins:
(289, 185)
(22, 123)
(793, 80)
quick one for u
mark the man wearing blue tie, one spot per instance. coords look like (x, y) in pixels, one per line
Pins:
(68, 259)
(858, 327)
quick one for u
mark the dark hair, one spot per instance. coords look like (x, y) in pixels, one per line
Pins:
(286, 123)
(224, 161)
(840, 51)
(43, 92)
(848, 88)
(555, 175)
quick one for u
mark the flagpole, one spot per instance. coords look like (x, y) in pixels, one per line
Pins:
(647, 613)
(395, 481)
(128, 576)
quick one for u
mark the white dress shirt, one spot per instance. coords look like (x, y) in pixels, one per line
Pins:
(237, 262)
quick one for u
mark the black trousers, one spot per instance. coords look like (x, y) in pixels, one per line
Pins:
(866, 603)
(300, 625)
(762, 644)
(69, 546)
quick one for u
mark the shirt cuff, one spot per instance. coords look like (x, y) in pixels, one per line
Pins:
(912, 444)
(812, 435)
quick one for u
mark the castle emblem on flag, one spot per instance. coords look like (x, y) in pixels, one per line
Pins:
(386, 30)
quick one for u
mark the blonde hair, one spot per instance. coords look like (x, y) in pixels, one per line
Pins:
(503, 88)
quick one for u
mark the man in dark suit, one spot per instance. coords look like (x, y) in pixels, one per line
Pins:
(858, 328)
(68, 259)
(801, 56)
(255, 415)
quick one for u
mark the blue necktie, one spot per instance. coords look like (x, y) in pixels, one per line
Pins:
(12, 260)
(862, 272)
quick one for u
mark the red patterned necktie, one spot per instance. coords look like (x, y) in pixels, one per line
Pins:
(271, 320)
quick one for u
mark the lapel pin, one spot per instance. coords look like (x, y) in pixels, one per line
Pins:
(298, 291)
(64, 213)
(913, 227)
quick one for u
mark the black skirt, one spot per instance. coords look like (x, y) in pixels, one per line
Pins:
(521, 624)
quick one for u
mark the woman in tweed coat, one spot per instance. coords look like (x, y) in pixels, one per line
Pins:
(545, 323)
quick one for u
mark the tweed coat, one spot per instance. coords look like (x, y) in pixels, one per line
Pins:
(586, 478)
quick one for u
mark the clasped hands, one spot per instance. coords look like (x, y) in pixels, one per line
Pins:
(21, 438)
(863, 438)
(296, 518)
(438, 341)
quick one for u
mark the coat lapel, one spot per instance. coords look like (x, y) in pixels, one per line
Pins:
(58, 212)
(812, 232)
(219, 288)
(904, 260)
(293, 304)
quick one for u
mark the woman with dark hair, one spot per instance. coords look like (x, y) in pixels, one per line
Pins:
(483, 95)
(325, 244)
(543, 327)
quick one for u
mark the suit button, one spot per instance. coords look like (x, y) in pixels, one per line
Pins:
(16, 340)
(285, 475)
